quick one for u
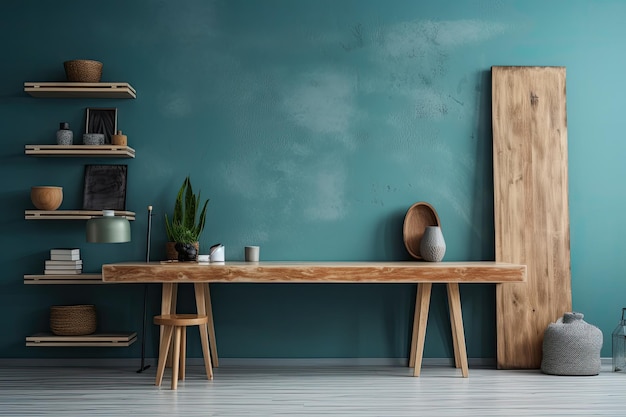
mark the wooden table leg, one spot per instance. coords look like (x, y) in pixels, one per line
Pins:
(422, 303)
(204, 334)
(455, 340)
(168, 306)
(209, 313)
(176, 356)
(456, 319)
(164, 347)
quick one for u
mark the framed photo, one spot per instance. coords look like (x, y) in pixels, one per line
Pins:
(102, 120)
(105, 187)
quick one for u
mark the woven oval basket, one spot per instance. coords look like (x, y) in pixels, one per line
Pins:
(75, 320)
(83, 71)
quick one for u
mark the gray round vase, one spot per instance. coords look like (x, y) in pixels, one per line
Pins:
(432, 245)
(64, 135)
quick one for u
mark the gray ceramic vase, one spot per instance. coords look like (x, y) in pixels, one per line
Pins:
(64, 135)
(432, 245)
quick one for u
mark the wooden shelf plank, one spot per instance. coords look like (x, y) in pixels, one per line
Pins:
(93, 340)
(107, 151)
(71, 214)
(79, 90)
(64, 282)
(63, 279)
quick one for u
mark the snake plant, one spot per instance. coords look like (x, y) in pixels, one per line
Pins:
(187, 224)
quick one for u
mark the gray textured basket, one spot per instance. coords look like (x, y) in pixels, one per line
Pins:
(571, 346)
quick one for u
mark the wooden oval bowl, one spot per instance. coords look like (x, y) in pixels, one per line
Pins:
(46, 197)
(418, 216)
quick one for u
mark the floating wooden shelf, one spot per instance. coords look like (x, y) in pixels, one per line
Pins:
(79, 90)
(92, 340)
(71, 214)
(108, 151)
(64, 279)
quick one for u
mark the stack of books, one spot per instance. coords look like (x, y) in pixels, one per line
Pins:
(64, 261)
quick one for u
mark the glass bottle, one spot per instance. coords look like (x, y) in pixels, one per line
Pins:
(619, 345)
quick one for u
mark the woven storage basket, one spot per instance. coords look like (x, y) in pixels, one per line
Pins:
(76, 320)
(83, 71)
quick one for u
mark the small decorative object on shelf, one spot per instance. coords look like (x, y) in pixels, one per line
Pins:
(93, 139)
(433, 245)
(64, 135)
(83, 70)
(619, 345)
(46, 197)
(101, 120)
(119, 139)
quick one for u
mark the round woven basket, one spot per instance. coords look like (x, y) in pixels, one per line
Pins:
(83, 71)
(75, 320)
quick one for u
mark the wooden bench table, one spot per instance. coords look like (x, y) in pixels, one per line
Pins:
(424, 274)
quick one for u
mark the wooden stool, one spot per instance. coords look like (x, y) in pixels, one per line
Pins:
(176, 325)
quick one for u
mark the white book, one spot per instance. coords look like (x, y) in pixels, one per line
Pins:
(64, 257)
(68, 263)
(64, 267)
(62, 271)
(65, 251)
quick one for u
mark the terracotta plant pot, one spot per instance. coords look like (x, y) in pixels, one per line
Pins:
(46, 197)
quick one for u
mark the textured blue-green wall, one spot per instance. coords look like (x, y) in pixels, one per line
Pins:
(312, 126)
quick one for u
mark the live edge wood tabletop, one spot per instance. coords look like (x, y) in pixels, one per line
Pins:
(422, 273)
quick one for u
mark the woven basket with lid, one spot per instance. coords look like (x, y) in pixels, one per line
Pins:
(73, 320)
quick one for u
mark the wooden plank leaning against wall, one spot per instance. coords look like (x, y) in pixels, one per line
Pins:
(531, 207)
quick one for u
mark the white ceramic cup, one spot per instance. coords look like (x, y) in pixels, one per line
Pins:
(217, 255)
(251, 253)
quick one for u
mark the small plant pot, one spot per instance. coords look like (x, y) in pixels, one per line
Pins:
(187, 252)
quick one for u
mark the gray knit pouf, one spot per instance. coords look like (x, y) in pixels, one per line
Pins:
(571, 346)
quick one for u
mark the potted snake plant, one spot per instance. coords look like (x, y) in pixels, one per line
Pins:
(186, 225)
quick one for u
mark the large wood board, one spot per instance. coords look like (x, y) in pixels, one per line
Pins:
(531, 207)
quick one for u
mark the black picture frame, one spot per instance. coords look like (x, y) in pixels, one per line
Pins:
(101, 120)
(105, 187)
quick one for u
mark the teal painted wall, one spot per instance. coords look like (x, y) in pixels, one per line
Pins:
(312, 126)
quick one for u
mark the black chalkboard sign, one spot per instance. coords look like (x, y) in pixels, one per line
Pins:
(105, 187)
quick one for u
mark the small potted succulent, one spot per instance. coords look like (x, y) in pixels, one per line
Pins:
(187, 224)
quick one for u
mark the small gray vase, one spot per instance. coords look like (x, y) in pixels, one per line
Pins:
(432, 245)
(64, 135)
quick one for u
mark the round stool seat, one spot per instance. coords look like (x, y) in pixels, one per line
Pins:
(180, 320)
(175, 335)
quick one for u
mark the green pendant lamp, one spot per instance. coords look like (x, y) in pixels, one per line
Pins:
(108, 228)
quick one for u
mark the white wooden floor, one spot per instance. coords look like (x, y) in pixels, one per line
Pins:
(308, 391)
